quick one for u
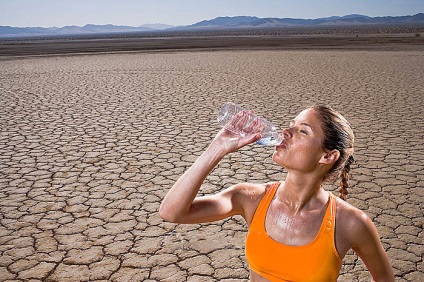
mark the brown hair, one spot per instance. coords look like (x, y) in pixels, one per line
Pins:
(338, 136)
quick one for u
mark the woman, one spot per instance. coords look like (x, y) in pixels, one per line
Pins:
(297, 230)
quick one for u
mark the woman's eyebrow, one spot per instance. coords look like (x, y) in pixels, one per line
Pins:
(302, 123)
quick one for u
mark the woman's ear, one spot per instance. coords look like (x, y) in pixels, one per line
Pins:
(330, 157)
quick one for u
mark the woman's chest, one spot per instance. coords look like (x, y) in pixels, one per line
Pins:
(293, 229)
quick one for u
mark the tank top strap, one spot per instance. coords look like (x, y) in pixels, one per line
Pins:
(333, 206)
(329, 220)
(331, 209)
(331, 224)
(260, 213)
(269, 195)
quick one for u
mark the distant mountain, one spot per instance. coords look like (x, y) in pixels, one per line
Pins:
(157, 26)
(91, 28)
(244, 22)
(19, 31)
(6, 31)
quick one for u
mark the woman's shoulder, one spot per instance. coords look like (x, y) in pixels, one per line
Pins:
(348, 212)
(252, 191)
(248, 196)
(352, 220)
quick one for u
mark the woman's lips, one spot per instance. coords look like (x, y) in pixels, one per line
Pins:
(282, 145)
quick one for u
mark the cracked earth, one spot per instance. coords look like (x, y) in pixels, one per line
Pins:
(90, 144)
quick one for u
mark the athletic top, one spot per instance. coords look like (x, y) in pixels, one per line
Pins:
(316, 261)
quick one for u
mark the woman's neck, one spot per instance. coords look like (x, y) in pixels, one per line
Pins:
(302, 192)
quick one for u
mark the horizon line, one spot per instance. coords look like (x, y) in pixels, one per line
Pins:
(173, 25)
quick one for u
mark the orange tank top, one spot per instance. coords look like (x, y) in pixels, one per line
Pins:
(315, 261)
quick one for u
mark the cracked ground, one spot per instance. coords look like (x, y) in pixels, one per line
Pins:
(90, 144)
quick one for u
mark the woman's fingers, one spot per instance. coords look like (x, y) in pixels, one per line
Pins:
(256, 126)
(238, 122)
(244, 128)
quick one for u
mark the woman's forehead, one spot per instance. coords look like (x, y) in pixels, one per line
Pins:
(310, 117)
(307, 115)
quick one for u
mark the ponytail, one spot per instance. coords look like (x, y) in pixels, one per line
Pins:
(338, 135)
(344, 175)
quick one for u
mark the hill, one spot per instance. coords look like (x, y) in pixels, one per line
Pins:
(255, 22)
(6, 31)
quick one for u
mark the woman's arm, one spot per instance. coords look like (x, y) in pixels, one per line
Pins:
(180, 204)
(366, 243)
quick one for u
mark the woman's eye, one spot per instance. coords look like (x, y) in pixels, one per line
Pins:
(303, 131)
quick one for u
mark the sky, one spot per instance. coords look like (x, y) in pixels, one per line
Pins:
(59, 13)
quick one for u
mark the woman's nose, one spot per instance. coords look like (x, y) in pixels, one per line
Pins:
(287, 133)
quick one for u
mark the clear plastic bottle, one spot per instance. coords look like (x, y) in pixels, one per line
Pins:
(270, 134)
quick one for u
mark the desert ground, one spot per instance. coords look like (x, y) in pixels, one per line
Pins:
(90, 143)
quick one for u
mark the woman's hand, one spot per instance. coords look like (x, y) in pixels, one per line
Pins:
(239, 132)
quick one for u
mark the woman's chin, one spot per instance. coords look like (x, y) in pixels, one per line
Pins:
(278, 158)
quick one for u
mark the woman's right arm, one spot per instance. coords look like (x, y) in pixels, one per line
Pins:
(180, 204)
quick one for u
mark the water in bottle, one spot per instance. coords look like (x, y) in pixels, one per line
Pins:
(270, 135)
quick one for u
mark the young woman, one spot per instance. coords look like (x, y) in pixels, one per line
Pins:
(297, 230)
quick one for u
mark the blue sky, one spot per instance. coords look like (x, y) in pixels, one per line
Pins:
(47, 13)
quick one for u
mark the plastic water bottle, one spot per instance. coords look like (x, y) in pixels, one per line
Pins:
(270, 134)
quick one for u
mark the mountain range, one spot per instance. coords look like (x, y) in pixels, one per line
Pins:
(353, 19)
(238, 22)
(75, 30)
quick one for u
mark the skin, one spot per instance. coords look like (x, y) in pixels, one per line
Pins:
(296, 212)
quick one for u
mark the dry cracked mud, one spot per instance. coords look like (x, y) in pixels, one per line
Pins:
(90, 144)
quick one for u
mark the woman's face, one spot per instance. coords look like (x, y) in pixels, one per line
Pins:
(302, 147)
